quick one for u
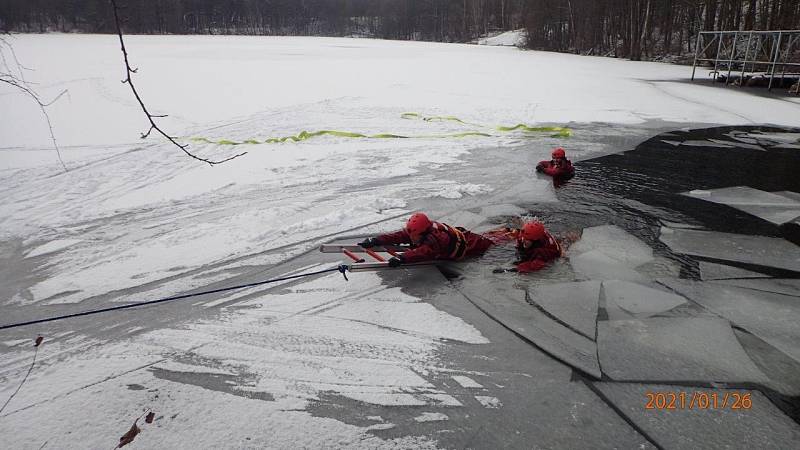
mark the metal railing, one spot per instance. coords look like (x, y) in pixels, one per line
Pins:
(738, 50)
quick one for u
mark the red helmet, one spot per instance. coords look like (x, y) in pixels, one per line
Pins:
(533, 231)
(418, 224)
(559, 153)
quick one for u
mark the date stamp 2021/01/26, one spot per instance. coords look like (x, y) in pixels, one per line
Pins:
(699, 400)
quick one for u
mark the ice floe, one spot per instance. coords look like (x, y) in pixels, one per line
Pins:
(717, 425)
(640, 300)
(572, 303)
(759, 250)
(769, 206)
(772, 317)
(676, 349)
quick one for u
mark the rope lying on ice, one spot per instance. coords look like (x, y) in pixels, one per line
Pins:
(342, 268)
(559, 132)
(304, 135)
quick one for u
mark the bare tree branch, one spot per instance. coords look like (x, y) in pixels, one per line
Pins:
(21, 84)
(150, 117)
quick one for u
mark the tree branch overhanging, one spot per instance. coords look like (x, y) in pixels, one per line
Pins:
(150, 117)
(7, 76)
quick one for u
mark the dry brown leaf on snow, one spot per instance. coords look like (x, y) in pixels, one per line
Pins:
(128, 437)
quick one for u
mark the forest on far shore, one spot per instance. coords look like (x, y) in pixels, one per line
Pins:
(635, 29)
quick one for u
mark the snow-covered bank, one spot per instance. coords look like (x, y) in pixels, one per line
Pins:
(205, 80)
(513, 38)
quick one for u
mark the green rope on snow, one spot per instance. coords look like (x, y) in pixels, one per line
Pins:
(560, 132)
(304, 135)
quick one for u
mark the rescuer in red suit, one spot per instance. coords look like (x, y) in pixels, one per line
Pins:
(536, 248)
(558, 167)
(431, 241)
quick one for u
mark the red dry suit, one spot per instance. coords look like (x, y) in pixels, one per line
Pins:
(551, 168)
(440, 242)
(539, 255)
(533, 258)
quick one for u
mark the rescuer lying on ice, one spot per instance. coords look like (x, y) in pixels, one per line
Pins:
(431, 241)
(559, 166)
(438, 241)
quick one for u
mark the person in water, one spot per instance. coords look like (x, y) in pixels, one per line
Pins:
(558, 167)
(536, 247)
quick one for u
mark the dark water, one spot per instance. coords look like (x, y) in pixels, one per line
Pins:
(640, 189)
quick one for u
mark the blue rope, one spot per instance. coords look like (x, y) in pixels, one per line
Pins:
(342, 268)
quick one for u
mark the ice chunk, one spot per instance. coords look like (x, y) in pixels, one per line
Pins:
(784, 138)
(761, 425)
(597, 265)
(431, 417)
(698, 349)
(744, 195)
(443, 399)
(772, 207)
(775, 214)
(488, 402)
(775, 285)
(772, 317)
(789, 194)
(760, 250)
(712, 271)
(466, 219)
(700, 193)
(533, 325)
(466, 382)
(615, 243)
(572, 303)
(681, 225)
(640, 300)
(704, 143)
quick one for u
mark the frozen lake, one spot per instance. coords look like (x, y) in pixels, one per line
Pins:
(406, 358)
